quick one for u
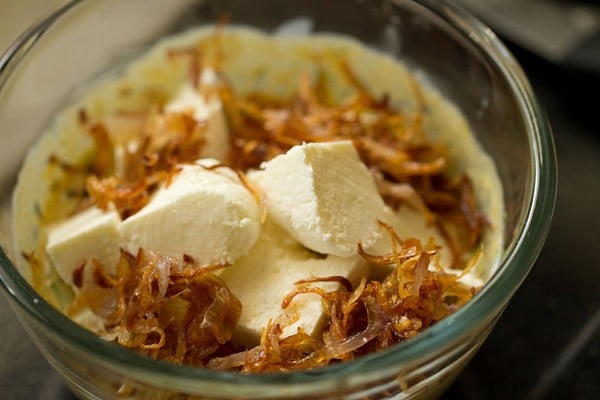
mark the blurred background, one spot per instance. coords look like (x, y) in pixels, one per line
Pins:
(547, 343)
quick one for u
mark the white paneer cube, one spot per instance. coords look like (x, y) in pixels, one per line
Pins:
(207, 214)
(264, 277)
(207, 110)
(91, 234)
(324, 196)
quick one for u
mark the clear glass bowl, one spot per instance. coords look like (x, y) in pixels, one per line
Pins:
(461, 57)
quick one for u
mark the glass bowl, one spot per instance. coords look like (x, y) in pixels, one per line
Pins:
(458, 54)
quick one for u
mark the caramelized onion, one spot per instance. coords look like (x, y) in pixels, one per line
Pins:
(228, 363)
(376, 325)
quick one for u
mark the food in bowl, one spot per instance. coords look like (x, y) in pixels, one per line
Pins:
(247, 202)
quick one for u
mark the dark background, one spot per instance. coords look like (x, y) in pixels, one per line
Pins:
(547, 343)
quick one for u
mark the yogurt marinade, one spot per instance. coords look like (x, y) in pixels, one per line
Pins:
(155, 77)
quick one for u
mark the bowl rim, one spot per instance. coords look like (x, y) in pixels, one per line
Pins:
(516, 263)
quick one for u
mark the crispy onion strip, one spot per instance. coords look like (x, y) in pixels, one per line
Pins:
(376, 326)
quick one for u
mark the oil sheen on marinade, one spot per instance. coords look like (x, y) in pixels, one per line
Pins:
(253, 63)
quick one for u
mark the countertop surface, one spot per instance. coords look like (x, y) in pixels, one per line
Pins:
(547, 343)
